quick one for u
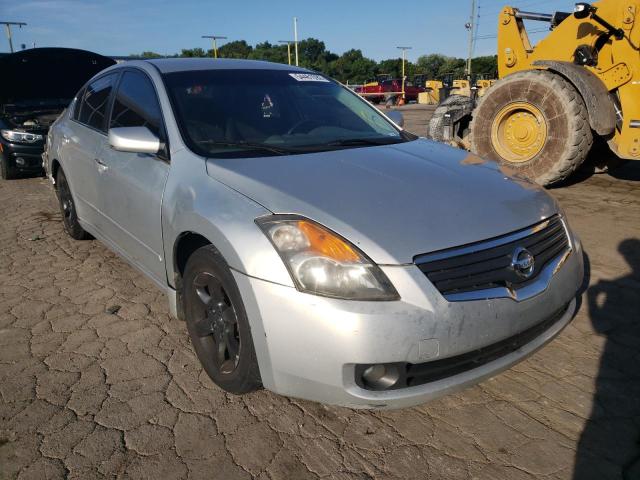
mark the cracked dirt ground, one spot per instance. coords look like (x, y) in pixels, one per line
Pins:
(91, 394)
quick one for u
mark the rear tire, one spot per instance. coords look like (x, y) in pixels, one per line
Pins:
(68, 209)
(7, 172)
(217, 323)
(535, 124)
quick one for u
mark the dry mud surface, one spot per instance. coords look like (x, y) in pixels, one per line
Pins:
(89, 394)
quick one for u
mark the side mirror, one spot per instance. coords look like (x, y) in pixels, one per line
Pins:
(134, 139)
(396, 117)
(582, 10)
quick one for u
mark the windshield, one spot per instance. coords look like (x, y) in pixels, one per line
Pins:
(241, 113)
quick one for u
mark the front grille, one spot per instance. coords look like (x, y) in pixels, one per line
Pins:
(488, 264)
(414, 374)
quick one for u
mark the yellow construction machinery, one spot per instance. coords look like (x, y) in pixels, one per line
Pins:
(433, 89)
(431, 94)
(577, 86)
(465, 87)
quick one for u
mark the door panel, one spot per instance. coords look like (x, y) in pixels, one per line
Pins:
(79, 147)
(132, 184)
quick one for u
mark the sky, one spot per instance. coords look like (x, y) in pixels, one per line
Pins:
(121, 27)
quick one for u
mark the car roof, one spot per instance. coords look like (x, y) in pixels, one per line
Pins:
(170, 65)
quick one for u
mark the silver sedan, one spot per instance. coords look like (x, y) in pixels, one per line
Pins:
(312, 245)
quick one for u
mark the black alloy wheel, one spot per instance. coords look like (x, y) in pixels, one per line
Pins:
(217, 322)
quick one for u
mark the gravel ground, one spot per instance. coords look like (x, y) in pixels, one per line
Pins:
(96, 381)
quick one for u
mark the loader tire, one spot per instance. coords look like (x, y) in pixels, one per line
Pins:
(435, 129)
(535, 124)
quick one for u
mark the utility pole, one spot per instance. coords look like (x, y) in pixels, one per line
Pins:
(215, 45)
(295, 36)
(288, 42)
(7, 26)
(470, 26)
(404, 50)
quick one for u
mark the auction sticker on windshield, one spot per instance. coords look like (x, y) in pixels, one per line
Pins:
(308, 77)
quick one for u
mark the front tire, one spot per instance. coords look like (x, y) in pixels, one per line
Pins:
(68, 209)
(7, 172)
(217, 323)
(534, 123)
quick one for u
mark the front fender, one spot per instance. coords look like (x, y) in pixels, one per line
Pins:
(194, 202)
(602, 113)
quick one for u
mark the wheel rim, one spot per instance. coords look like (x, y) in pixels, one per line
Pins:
(519, 132)
(216, 322)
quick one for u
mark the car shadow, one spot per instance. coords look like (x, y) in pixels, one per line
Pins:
(609, 447)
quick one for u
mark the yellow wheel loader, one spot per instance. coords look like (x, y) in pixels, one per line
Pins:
(577, 86)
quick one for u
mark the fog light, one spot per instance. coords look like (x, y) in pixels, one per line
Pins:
(380, 377)
(20, 161)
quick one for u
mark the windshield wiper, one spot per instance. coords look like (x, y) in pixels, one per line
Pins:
(353, 142)
(249, 145)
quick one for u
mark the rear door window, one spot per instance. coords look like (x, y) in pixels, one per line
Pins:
(136, 104)
(95, 101)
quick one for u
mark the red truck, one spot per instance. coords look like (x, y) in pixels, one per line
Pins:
(370, 90)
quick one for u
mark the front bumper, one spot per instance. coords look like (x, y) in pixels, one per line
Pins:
(309, 346)
(23, 158)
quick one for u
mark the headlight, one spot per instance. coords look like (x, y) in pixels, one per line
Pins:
(323, 263)
(20, 137)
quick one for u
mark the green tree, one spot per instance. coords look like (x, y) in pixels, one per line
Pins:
(393, 67)
(352, 67)
(235, 49)
(455, 66)
(270, 52)
(486, 66)
(430, 65)
(146, 55)
(193, 52)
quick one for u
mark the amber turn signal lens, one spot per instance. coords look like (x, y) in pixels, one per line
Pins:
(327, 244)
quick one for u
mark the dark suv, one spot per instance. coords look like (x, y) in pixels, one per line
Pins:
(36, 85)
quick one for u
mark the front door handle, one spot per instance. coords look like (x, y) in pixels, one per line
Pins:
(101, 165)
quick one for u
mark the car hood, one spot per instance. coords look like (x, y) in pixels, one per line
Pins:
(47, 73)
(396, 201)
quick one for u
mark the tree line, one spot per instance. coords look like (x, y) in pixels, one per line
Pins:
(350, 67)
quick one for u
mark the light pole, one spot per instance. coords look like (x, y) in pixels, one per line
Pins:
(404, 50)
(7, 26)
(288, 42)
(470, 26)
(295, 36)
(215, 45)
